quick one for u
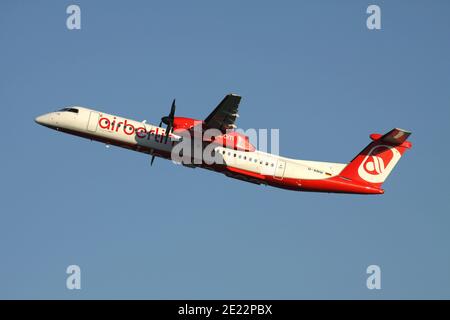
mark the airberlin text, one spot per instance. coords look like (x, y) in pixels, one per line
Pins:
(128, 128)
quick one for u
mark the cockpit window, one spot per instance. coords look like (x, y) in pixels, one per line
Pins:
(74, 110)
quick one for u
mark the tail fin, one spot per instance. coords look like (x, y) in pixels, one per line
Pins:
(373, 165)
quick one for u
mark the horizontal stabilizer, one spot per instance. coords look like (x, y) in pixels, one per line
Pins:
(394, 137)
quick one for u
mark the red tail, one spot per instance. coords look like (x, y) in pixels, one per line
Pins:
(373, 165)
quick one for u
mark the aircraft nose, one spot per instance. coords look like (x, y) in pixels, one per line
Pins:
(39, 119)
(43, 119)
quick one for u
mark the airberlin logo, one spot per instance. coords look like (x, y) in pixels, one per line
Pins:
(107, 124)
(378, 163)
(375, 165)
(129, 129)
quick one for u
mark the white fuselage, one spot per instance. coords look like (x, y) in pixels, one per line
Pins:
(147, 138)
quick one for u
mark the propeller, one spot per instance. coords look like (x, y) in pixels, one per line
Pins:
(167, 120)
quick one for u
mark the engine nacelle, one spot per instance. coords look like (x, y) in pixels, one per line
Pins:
(234, 140)
(182, 123)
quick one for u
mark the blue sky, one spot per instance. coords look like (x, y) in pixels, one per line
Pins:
(310, 68)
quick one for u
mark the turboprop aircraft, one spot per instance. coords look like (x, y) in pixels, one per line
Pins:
(232, 151)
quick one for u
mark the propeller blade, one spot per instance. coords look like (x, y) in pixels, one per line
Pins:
(168, 120)
(153, 159)
(172, 110)
(168, 130)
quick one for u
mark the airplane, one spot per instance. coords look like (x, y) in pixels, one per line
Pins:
(364, 174)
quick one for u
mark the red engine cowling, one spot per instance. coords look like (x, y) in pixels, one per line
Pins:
(181, 123)
(234, 140)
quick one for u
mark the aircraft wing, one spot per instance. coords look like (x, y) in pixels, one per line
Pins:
(225, 114)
